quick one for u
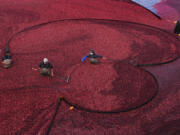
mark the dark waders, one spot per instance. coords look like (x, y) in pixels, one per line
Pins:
(94, 61)
(45, 71)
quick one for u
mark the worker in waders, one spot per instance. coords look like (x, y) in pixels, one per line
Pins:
(177, 28)
(93, 57)
(7, 60)
(46, 68)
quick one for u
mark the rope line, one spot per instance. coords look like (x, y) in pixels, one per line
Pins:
(94, 20)
(138, 65)
(118, 111)
(54, 116)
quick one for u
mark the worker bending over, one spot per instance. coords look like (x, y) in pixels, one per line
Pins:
(7, 60)
(93, 57)
(46, 68)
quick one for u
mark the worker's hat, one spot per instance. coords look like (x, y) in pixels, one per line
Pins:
(45, 60)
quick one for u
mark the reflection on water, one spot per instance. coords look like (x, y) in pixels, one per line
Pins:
(149, 4)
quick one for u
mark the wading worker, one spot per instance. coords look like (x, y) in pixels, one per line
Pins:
(46, 68)
(7, 60)
(93, 57)
(177, 28)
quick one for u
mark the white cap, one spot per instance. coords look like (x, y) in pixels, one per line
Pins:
(45, 60)
(91, 52)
